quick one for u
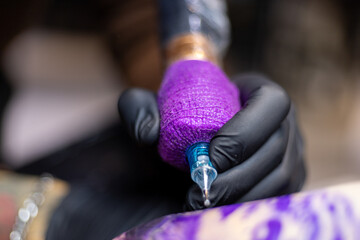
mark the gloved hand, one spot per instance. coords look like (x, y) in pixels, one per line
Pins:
(258, 153)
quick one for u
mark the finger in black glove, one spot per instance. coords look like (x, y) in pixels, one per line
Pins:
(140, 115)
(259, 152)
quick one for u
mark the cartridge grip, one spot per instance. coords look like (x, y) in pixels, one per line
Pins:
(195, 100)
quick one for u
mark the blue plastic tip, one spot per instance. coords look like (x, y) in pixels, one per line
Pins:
(202, 171)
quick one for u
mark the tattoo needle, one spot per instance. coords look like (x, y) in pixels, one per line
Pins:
(202, 171)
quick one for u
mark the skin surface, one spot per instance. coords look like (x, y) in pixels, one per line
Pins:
(332, 213)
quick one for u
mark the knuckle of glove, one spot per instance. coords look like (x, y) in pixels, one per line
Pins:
(277, 97)
(285, 175)
(138, 111)
(126, 103)
(225, 152)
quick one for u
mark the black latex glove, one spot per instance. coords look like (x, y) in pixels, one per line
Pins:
(258, 153)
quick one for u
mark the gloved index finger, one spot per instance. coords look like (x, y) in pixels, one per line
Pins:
(265, 106)
(140, 115)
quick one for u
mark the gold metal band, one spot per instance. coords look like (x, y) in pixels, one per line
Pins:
(190, 46)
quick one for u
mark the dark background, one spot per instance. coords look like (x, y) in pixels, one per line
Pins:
(310, 47)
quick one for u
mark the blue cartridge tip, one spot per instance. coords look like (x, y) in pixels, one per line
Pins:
(202, 171)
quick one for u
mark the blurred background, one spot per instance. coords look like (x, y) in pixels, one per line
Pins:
(65, 63)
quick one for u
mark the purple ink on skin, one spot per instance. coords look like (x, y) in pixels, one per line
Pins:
(175, 226)
(338, 237)
(335, 207)
(302, 213)
(306, 202)
(251, 207)
(283, 203)
(272, 228)
(346, 204)
(195, 100)
(227, 210)
(189, 225)
(314, 222)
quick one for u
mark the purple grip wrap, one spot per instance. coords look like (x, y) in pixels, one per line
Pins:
(195, 100)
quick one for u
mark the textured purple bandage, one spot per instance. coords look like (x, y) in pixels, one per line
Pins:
(195, 100)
